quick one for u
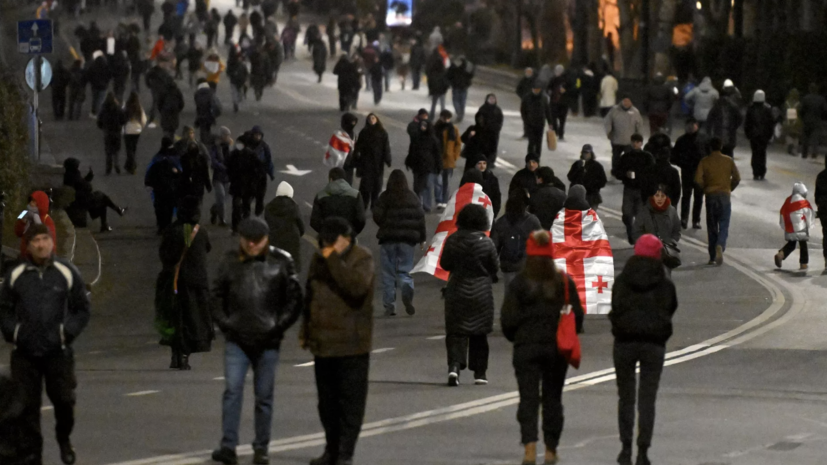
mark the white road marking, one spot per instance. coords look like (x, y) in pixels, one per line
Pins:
(141, 393)
(309, 205)
(308, 364)
(219, 378)
(47, 407)
(436, 338)
(383, 350)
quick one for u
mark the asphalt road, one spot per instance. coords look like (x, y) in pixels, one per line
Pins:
(743, 384)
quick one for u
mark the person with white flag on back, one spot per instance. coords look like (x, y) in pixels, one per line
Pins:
(341, 144)
(796, 220)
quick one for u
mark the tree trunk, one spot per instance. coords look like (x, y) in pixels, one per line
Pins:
(554, 31)
(663, 32)
(580, 15)
(595, 33)
(629, 44)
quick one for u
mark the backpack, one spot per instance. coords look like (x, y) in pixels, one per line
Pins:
(513, 250)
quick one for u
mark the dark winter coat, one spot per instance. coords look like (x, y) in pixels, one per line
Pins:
(98, 75)
(724, 120)
(689, 150)
(43, 309)
(77, 85)
(255, 300)
(286, 226)
(526, 180)
(492, 116)
(528, 317)
(460, 75)
(237, 71)
(219, 155)
(193, 270)
(119, 67)
(261, 69)
(820, 195)
(157, 79)
(535, 110)
(524, 86)
(471, 258)
(400, 218)
(759, 125)
(509, 236)
(418, 56)
(111, 119)
(813, 110)
(348, 74)
(162, 176)
(662, 172)
(244, 170)
(666, 225)
(637, 161)
(424, 154)
(491, 188)
(338, 198)
(659, 98)
(372, 152)
(479, 144)
(319, 57)
(61, 77)
(170, 105)
(546, 202)
(643, 302)
(437, 75)
(195, 175)
(207, 106)
(338, 313)
(589, 174)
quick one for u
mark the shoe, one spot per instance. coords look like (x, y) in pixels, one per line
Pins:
(260, 457)
(803, 267)
(222, 223)
(225, 456)
(453, 378)
(642, 458)
(325, 459)
(341, 461)
(122, 211)
(106, 228)
(185, 363)
(684, 224)
(151, 125)
(779, 257)
(390, 312)
(625, 456)
(530, 457)
(67, 452)
(719, 255)
(696, 225)
(480, 379)
(551, 457)
(409, 308)
(711, 262)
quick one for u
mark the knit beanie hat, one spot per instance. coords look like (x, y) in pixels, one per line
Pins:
(759, 97)
(532, 157)
(284, 189)
(648, 246)
(253, 228)
(539, 244)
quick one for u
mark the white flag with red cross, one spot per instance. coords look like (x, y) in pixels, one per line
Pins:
(581, 248)
(338, 148)
(467, 194)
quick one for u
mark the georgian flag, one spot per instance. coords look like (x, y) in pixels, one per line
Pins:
(796, 215)
(466, 194)
(581, 249)
(338, 148)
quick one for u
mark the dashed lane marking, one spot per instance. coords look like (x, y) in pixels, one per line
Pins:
(436, 338)
(141, 393)
(382, 350)
(308, 364)
(46, 408)
(218, 378)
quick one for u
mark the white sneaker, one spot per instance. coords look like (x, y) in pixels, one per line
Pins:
(93, 116)
(453, 379)
(151, 125)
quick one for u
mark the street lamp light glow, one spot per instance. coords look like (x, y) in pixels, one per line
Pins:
(698, 5)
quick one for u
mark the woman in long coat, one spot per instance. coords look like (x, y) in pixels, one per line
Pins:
(182, 289)
(471, 258)
(372, 153)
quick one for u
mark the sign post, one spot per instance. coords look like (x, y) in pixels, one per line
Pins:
(35, 37)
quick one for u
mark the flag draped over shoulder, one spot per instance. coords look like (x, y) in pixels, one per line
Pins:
(467, 194)
(581, 248)
(338, 148)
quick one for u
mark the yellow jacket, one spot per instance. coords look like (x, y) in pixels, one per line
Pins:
(450, 148)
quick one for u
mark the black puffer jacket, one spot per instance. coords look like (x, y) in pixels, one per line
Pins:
(529, 317)
(662, 173)
(643, 302)
(372, 152)
(590, 174)
(400, 218)
(255, 300)
(286, 226)
(472, 260)
(509, 236)
(546, 202)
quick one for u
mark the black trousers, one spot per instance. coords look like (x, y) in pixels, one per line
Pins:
(467, 351)
(688, 187)
(58, 372)
(59, 103)
(535, 139)
(100, 204)
(416, 77)
(370, 187)
(617, 151)
(541, 373)
(260, 198)
(804, 254)
(559, 111)
(342, 383)
(809, 138)
(112, 147)
(241, 209)
(822, 217)
(495, 146)
(759, 158)
(164, 207)
(130, 142)
(626, 357)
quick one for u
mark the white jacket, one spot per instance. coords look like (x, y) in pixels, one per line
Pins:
(608, 91)
(796, 216)
(134, 127)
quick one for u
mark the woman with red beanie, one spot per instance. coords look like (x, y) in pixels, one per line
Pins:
(643, 302)
(530, 313)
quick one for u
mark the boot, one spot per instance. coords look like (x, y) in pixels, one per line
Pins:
(185, 363)
(779, 257)
(67, 452)
(642, 457)
(803, 267)
(530, 457)
(175, 363)
(625, 456)
(551, 457)
(105, 228)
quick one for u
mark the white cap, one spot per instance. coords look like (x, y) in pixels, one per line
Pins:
(284, 189)
(728, 83)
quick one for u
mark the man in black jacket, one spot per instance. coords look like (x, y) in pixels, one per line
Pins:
(659, 99)
(526, 178)
(207, 109)
(662, 173)
(338, 198)
(43, 309)
(256, 298)
(759, 128)
(163, 177)
(244, 169)
(589, 173)
(689, 149)
(459, 75)
(643, 302)
(821, 205)
(633, 167)
(548, 199)
(535, 112)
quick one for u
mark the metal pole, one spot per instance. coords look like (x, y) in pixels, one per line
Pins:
(518, 44)
(644, 37)
(35, 104)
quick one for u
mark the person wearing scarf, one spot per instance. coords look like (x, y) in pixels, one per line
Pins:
(658, 218)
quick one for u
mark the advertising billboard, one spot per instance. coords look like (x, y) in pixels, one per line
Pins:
(400, 13)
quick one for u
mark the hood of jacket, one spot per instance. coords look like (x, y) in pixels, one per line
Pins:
(576, 199)
(340, 187)
(706, 85)
(42, 203)
(643, 273)
(800, 189)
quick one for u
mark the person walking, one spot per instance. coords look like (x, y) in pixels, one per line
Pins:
(621, 123)
(256, 298)
(589, 173)
(492, 114)
(448, 134)
(634, 165)
(111, 119)
(98, 75)
(285, 222)
(608, 94)
(318, 51)
(425, 161)
(557, 89)
(401, 220)
(510, 233)
(338, 198)
(182, 290)
(77, 90)
(702, 99)
(162, 177)
(534, 300)
(207, 110)
(438, 83)
(724, 120)
(688, 152)
(548, 199)
(813, 109)
(61, 77)
(135, 123)
(471, 259)
(349, 83)
(219, 157)
(526, 179)
(261, 148)
(718, 176)
(759, 127)
(372, 153)
(659, 218)
(659, 99)
(796, 220)
(244, 170)
(238, 74)
(195, 172)
(643, 303)
(418, 59)
(477, 142)
(337, 328)
(43, 309)
(490, 183)
(524, 86)
(170, 105)
(459, 76)
(535, 111)
(230, 21)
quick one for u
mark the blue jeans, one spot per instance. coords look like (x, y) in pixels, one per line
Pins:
(220, 189)
(236, 363)
(434, 99)
(443, 185)
(397, 261)
(98, 96)
(459, 96)
(718, 212)
(423, 185)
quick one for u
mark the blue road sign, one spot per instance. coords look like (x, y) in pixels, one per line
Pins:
(34, 36)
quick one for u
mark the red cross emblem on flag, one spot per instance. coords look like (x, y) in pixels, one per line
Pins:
(581, 248)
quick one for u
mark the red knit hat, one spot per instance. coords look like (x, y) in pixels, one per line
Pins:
(539, 245)
(648, 246)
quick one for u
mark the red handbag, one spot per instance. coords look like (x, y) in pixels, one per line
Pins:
(568, 344)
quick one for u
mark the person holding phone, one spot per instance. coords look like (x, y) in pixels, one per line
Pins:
(36, 212)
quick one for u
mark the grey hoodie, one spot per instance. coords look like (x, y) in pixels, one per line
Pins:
(702, 99)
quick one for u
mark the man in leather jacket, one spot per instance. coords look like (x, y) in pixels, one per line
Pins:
(256, 298)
